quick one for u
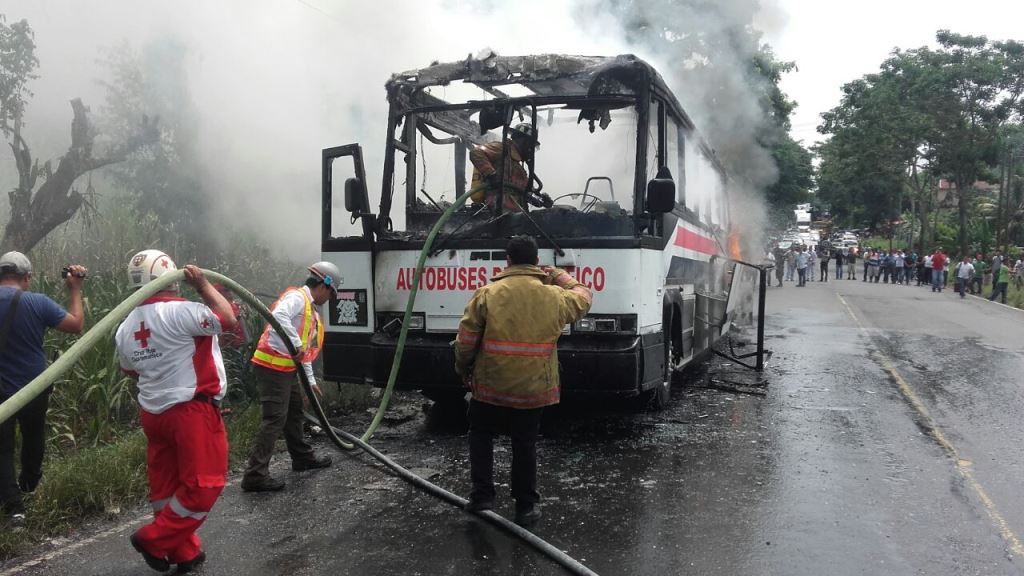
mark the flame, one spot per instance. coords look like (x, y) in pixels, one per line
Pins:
(734, 246)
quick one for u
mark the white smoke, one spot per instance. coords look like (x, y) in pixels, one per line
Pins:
(275, 81)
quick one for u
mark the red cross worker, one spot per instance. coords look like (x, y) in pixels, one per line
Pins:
(169, 344)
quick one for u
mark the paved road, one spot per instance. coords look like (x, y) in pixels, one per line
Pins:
(889, 443)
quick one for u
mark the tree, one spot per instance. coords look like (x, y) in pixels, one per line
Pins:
(36, 211)
(927, 113)
(164, 179)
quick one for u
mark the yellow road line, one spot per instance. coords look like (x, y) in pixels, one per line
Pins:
(962, 465)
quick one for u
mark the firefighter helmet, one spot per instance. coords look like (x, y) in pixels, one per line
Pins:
(527, 132)
(147, 266)
(327, 273)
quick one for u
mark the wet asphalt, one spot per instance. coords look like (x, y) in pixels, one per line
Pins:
(888, 442)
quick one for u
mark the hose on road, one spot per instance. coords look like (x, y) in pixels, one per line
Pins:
(106, 326)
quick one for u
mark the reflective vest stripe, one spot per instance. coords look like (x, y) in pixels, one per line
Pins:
(272, 359)
(266, 356)
(467, 337)
(507, 348)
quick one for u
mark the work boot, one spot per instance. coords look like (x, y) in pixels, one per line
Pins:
(17, 522)
(158, 564)
(268, 484)
(186, 567)
(527, 516)
(478, 505)
(313, 464)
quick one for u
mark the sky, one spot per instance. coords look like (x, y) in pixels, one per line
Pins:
(834, 42)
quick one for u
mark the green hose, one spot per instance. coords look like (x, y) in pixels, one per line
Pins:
(106, 326)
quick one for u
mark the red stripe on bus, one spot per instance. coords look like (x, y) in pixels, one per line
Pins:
(693, 241)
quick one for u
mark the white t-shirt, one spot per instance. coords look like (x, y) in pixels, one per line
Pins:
(965, 270)
(171, 345)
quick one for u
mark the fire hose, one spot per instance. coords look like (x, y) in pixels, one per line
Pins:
(106, 326)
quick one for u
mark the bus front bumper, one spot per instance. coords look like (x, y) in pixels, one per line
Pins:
(596, 365)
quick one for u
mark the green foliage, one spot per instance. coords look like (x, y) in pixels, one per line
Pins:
(927, 114)
(18, 63)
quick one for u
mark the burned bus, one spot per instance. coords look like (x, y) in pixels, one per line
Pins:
(629, 199)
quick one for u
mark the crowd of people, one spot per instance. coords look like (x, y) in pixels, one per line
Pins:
(799, 263)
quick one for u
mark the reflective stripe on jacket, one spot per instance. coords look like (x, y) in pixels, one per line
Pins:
(507, 336)
(311, 335)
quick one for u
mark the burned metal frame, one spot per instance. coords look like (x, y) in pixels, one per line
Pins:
(760, 354)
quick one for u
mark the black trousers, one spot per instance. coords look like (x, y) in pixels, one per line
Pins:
(486, 421)
(31, 420)
(281, 399)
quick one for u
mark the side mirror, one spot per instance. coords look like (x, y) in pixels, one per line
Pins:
(355, 193)
(661, 192)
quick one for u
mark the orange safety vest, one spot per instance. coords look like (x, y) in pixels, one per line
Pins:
(311, 333)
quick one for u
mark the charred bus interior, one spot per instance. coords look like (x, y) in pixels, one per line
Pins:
(619, 166)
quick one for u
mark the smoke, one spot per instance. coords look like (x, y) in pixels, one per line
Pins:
(704, 50)
(272, 82)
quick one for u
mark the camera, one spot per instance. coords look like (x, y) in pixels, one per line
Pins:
(66, 271)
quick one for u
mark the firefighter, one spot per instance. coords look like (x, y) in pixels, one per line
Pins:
(487, 157)
(505, 353)
(280, 395)
(169, 345)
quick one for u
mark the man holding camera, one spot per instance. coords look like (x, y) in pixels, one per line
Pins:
(24, 317)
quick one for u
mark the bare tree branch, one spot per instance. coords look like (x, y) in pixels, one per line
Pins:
(33, 216)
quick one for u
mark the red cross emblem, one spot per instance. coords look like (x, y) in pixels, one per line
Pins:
(206, 323)
(163, 262)
(142, 335)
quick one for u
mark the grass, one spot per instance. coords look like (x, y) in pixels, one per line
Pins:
(104, 481)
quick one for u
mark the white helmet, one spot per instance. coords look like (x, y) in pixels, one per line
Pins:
(327, 273)
(147, 266)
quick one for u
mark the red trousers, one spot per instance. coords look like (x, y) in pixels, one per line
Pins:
(187, 463)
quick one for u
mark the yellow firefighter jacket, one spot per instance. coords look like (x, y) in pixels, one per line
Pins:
(486, 159)
(506, 343)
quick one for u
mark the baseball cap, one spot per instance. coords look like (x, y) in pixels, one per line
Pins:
(15, 263)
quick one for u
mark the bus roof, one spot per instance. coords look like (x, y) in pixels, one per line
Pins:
(548, 75)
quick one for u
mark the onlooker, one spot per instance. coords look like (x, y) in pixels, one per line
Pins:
(801, 266)
(790, 263)
(938, 270)
(1000, 281)
(909, 266)
(824, 258)
(979, 274)
(899, 262)
(997, 263)
(811, 259)
(926, 270)
(964, 273)
(839, 258)
(24, 317)
(874, 261)
(780, 262)
(867, 258)
(851, 260)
